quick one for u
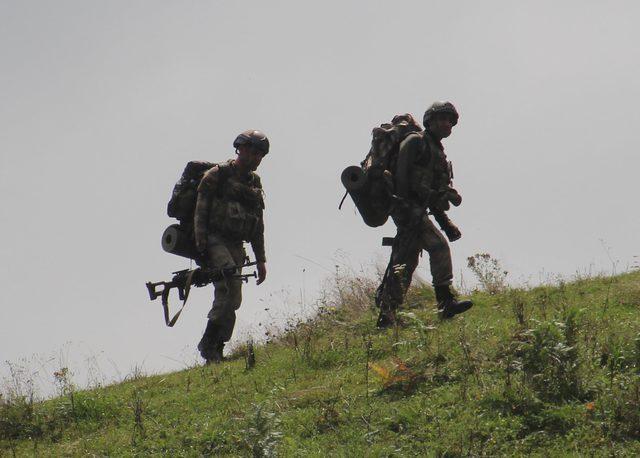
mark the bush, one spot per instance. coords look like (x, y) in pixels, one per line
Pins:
(548, 358)
(19, 420)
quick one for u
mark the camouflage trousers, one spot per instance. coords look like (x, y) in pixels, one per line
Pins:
(407, 246)
(227, 292)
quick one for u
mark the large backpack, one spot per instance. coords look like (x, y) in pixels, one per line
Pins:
(179, 238)
(183, 198)
(371, 185)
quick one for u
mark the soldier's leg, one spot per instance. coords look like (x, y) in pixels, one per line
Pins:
(227, 298)
(441, 271)
(404, 260)
(439, 254)
(234, 294)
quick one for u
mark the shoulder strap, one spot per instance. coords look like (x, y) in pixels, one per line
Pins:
(165, 301)
(224, 171)
(224, 167)
(255, 180)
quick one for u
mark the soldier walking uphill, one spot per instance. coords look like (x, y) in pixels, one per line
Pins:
(423, 182)
(228, 212)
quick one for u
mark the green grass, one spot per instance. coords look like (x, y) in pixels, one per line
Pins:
(546, 371)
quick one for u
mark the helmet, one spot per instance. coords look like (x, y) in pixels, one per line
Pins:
(254, 138)
(440, 107)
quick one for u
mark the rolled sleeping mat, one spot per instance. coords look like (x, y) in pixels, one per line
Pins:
(353, 178)
(369, 194)
(176, 240)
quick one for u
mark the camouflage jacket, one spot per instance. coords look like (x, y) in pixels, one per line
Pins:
(422, 171)
(231, 205)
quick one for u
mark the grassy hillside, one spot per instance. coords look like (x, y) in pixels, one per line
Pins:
(546, 371)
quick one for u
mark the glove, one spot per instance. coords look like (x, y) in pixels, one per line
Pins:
(454, 197)
(452, 232)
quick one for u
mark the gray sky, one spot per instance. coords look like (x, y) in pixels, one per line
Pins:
(102, 104)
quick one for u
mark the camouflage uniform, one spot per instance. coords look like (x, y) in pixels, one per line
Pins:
(229, 211)
(422, 176)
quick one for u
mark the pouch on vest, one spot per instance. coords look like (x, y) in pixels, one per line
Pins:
(238, 222)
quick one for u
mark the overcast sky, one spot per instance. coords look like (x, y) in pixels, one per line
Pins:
(103, 103)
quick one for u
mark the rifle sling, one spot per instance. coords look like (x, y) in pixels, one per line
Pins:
(165, 301)
(346, 193)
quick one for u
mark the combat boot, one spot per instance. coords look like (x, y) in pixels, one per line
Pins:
(448, 306)
(210, 345)
(386, 319)
(214, 355)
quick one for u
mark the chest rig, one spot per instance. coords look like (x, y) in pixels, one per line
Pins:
(238, 206)
(440, 167)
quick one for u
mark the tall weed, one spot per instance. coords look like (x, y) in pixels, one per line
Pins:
(261, 435)
(489, 272)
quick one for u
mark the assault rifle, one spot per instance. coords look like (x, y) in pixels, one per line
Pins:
(183, 280)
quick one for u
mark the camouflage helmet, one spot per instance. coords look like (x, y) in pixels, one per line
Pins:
(440, 107)
(253, 138)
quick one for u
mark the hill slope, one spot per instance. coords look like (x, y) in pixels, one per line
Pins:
(547, 371)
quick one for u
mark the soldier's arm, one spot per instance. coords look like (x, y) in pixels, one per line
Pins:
(406, 158)
(257, 242)
(257, 245)
(413, 179)
(206, 192)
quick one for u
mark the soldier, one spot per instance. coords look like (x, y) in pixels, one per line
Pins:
(423, 182)
(229, 212)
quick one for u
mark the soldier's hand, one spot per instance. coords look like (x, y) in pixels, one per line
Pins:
(452, 231)
(262, 272)
(454, 197)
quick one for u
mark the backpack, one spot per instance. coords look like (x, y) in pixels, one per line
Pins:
(371, 185)
(179, 239)
(385, 142)
(182, 204)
